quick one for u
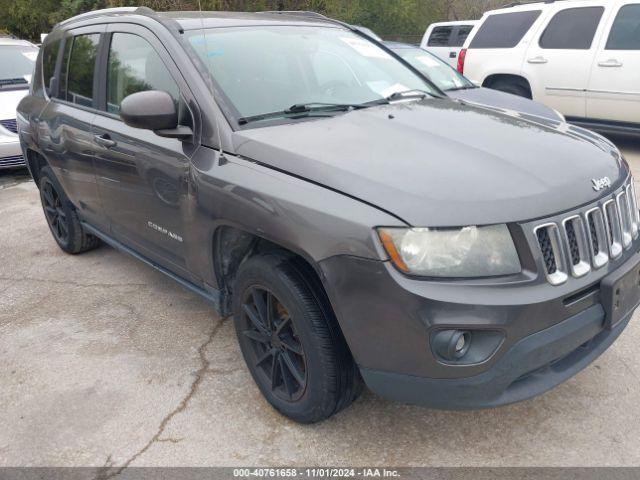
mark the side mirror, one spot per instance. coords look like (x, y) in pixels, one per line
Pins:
(153, 110)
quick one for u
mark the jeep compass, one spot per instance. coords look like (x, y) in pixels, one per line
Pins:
(361, 227)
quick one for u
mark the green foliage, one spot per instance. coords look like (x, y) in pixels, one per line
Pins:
(29, 18)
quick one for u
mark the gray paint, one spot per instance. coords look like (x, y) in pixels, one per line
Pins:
(319, 187)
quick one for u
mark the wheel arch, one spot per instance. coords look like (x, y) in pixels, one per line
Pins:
(515, 78)
(232, 245)
(35, 163)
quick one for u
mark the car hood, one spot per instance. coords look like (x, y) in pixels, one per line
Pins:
(9, 100)
(504, 101)
(439, 163)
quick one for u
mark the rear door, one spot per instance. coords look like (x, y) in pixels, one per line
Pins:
(614, 89)
(558, 62)
(143, 178)
(65, 131)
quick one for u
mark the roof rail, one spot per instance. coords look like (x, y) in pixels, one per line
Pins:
(519, 3)
(105, 11)
(302, 13)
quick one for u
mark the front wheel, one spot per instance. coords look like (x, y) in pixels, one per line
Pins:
(290, 339)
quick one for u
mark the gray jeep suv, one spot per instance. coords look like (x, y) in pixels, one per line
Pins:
(360, 226)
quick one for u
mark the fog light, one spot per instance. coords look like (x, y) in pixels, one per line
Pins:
(452, 344)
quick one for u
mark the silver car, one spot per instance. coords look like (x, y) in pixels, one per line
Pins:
(17, 61)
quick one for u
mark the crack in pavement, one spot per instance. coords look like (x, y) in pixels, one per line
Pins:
(74, 284)
(107, 471)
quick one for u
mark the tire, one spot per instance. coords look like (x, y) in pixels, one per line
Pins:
(513, 87)
(309, 346)
(62, 217)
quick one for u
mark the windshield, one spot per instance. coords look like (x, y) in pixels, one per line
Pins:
(16, 64)
(439, 72)
(269, 69)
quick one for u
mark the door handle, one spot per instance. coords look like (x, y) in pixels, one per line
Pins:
(105, 141)
(538, 60)
(453, 55)
(611, 63)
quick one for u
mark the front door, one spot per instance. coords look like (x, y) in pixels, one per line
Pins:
(558, 62)
(142, 177)
(614, 90)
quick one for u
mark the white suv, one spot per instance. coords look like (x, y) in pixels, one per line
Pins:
(446, 39)
(581, 57)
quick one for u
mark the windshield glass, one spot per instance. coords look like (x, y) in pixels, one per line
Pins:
(439, 72)
(269, 69)
(16, 64)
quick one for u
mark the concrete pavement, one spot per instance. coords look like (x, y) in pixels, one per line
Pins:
(105, 362)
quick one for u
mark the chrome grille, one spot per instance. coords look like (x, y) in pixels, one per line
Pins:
(10, 124)
(581, 242)
(12, 162)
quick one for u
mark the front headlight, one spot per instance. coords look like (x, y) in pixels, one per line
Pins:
(466, 252)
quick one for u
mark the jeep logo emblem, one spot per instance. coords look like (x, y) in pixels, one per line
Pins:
(601, 183)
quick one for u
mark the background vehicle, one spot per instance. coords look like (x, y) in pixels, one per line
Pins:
(17, 61)
(446, 39)
(455, 85)
(580, 57)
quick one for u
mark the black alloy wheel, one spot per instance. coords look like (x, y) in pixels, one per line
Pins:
(53, 210)
(277, 351)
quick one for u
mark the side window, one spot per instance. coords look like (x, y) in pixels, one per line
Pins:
(463, 33)
(49, 58)
(440, 37)
(82, 63)
(134, 66)
(625, 33)
(504, 30)
(572, 29)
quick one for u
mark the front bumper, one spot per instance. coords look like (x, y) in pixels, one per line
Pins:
(533, 366)
(550, 333)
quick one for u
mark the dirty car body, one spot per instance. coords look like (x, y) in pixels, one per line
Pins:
(466, 253)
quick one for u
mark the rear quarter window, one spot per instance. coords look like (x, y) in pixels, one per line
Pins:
(504, 30)
(440, 37)
(463, 34)
(625, 33)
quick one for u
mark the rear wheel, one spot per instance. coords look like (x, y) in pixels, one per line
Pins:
(62, 218)
(290, 339)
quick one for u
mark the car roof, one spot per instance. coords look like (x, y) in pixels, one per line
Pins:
(548, 5)
(457, 22)
(8, 41)
(194, 20)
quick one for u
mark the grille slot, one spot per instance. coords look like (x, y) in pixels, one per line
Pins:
(598, 237)
(578, 246)
(551, 247)
(614, 230)
(10, 124)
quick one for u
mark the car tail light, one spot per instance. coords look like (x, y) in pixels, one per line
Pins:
(461, 58)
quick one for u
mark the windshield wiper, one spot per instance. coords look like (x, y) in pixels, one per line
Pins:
(415, 93)
(302, 110)
(466, 87)
(5, 82)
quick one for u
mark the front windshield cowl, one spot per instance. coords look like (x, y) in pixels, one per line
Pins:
(262, 71)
